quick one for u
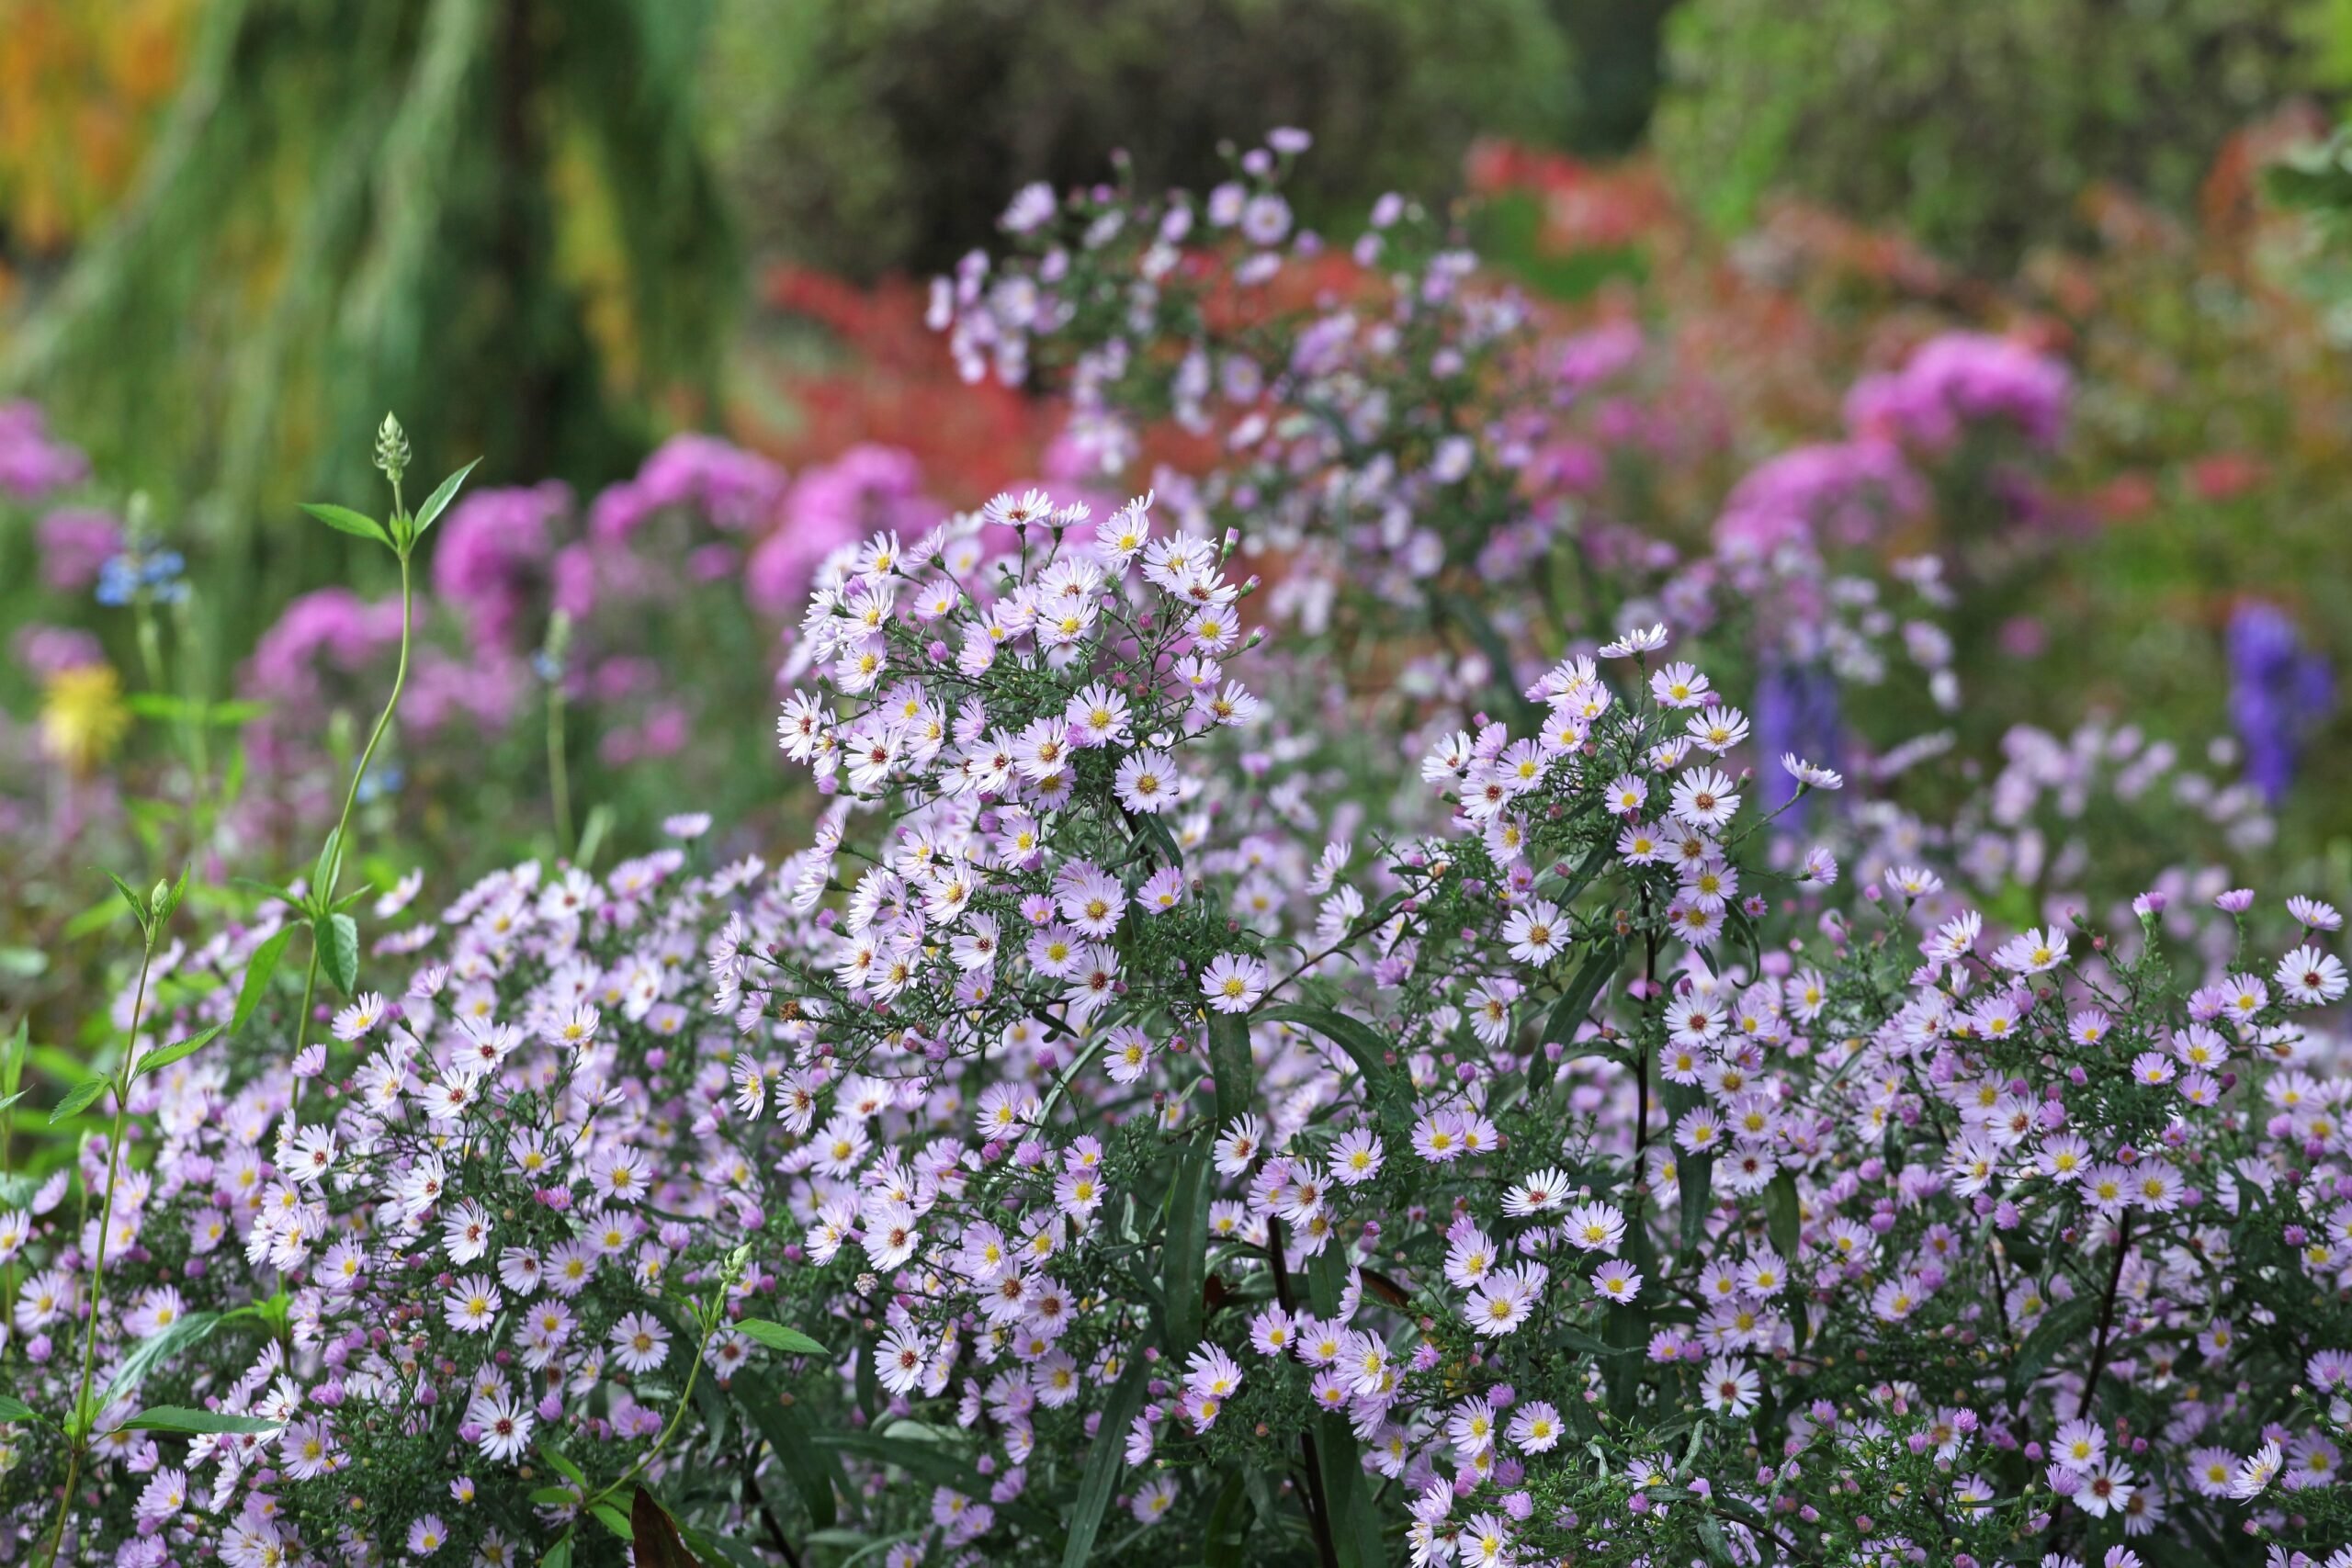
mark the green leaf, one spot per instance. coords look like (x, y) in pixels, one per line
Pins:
(1228, 1523)
(165, 901)
(23, 963)
(327, 869)
(1782, 1216)
(155, 1061)
(776, 1337)
(1355, 1530)
(1184, 1253)
(1574, 1002)
(560, 1555)
(613, 1519)
(1577, 1339)
(1363, 1043)
(814, 1473)
(1711, 1536)
(173, 1418)
(257, 977)
(1694, 1177)
(229, 715)
(190, 1330)
(138, 905)
(338, 939)
(15, 1409)
(554, 1496)
(1154, 834)
(77, 1099)
(563, 1466)
(931, 1463)
(2060, 1326)
(443, 493)
(1230, 1060)
(164, 705)
(1103, 1463)
(343, 520)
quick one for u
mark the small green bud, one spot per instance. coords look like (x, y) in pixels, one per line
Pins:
(391, 449)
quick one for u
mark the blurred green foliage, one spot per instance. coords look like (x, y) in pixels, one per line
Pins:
(495, 212)
(1976, 125)
(886, 134)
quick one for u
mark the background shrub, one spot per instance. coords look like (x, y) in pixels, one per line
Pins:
(1977, 126)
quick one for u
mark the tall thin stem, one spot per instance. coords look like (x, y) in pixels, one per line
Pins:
(559, 788)
(333, 870)
(98, 1265)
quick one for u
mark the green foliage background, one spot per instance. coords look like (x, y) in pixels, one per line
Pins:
(1975, 124)
(868, 137)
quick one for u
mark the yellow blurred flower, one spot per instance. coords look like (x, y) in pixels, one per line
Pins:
(81, 716)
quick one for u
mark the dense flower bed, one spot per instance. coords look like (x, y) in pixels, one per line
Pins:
(1345, 1006)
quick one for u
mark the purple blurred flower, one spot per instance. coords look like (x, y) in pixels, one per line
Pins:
(493, 552)
(1796, 710)
(331, 629)
(738, 490)
(1844, 490)
(868, 489)
(76, 543)
(1959, 379)
(1591, 357)
(33, 463)
(42, 652)
(2277, 691)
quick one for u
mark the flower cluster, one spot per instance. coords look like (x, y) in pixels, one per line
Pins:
(1345, 1060)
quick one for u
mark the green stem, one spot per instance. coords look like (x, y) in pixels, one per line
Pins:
(324, 897)
(98, 1265)
(558, 784)
(709, 1328)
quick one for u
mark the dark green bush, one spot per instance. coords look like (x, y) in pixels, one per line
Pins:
(1975, 123)
(866, 135)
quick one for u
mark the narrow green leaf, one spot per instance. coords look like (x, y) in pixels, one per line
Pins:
(190, 1330)
(77, 1099)
(1363, 1043)
(173, 1418)
(814, 1473)
(1229, 1059)
(1577, 1339)
(554, 1496)
(164, 705)
(1103, 1465)
(15, 1409)
(1229, 1524)
(776, 1337)
(2062, 1325)
(327, 870)
(563, 1466)
(933, 1463)
(560, 1555)
(1355, 1531)
(155, 1061)
(338, 939)
(1183, 1256)
(1694, 1177)
(138, 905)
(613, 1519)
(229, 715)
(443, 493)
(1782, 1218)
(343, 520)
(257, 977)
(1574, 1002)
